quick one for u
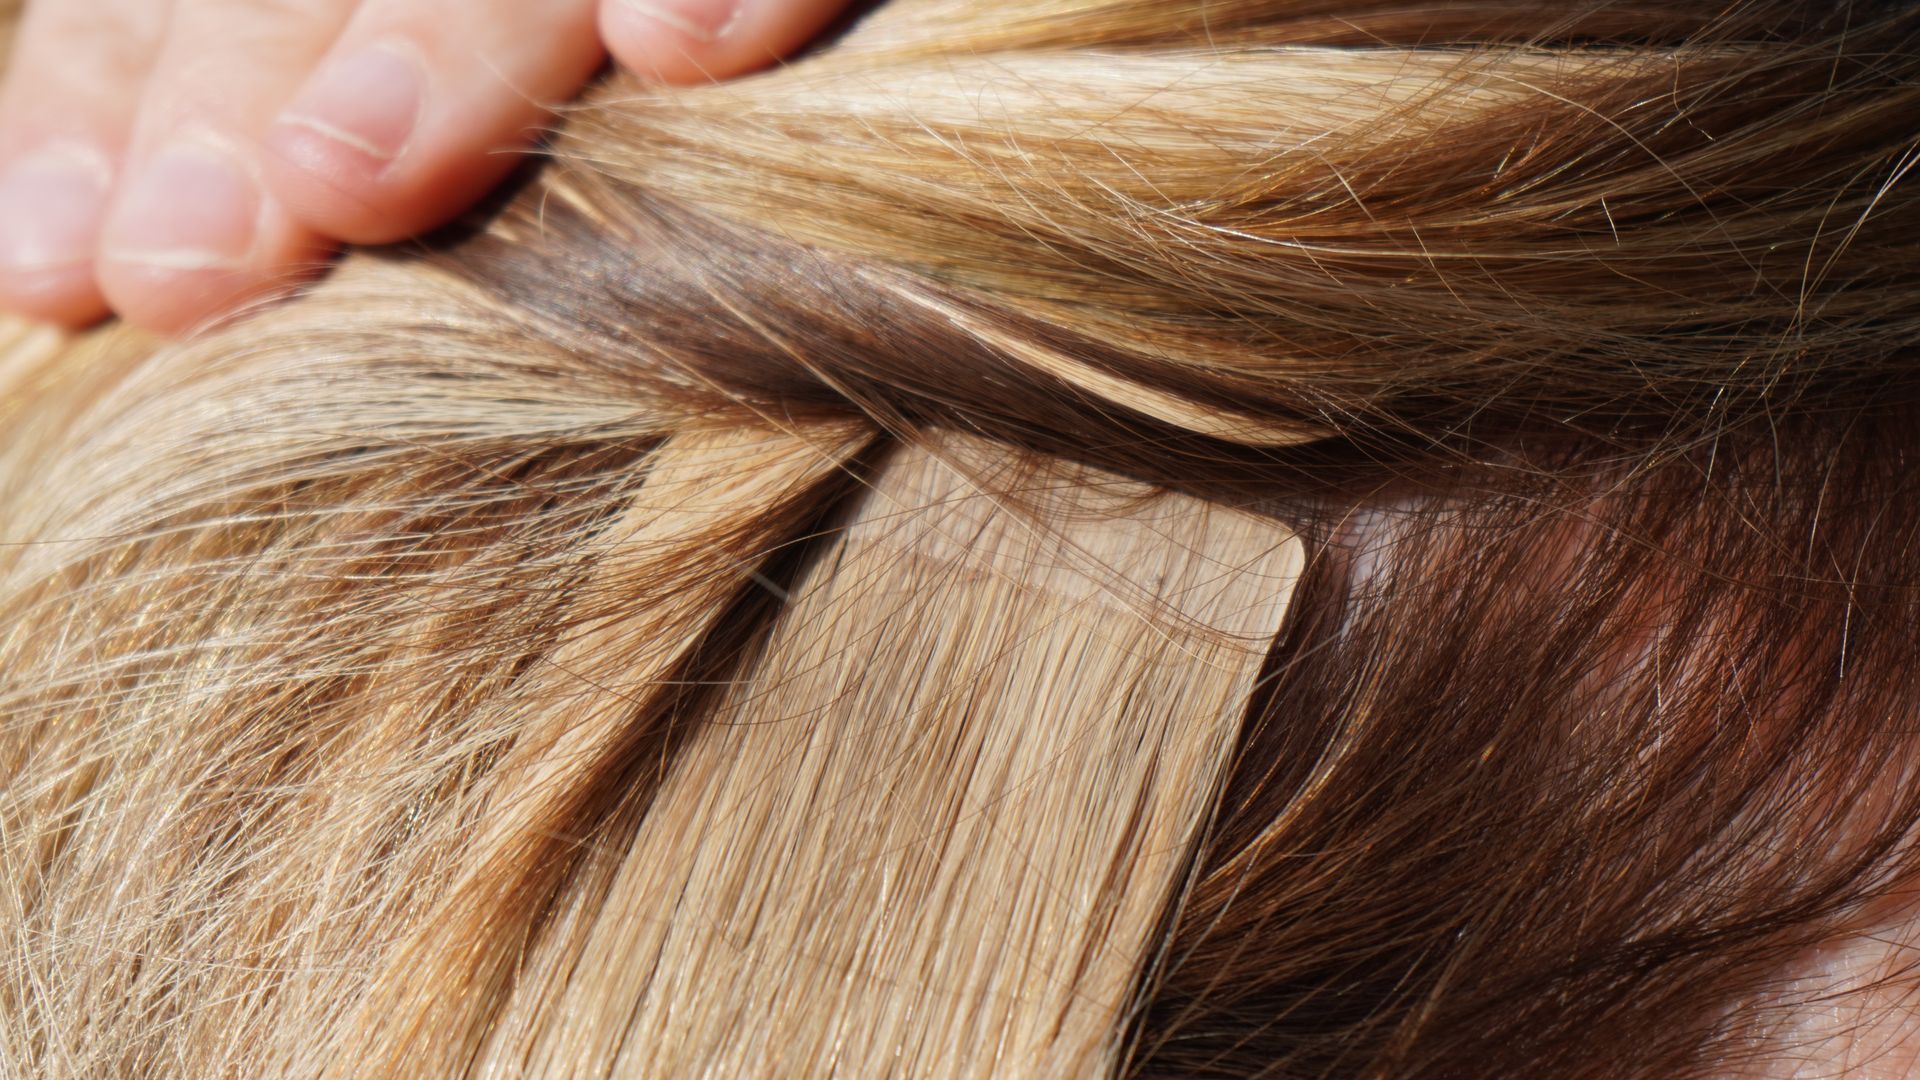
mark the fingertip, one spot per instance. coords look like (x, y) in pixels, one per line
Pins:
(192, 236)
(331, 153)
(68, 297)
(177, 299)
(51, 205)
(694, 41)
(402, 134)
(337, 189)
(330, 186)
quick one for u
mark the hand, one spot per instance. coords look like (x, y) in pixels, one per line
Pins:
(171, 159)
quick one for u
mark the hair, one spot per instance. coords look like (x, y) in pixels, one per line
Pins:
(1059, 537)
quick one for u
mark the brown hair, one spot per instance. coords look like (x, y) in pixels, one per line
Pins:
(1129, 536)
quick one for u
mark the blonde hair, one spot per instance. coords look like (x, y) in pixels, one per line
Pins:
(1059, 538)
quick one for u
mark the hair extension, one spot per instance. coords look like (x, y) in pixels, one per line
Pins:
(1148, 537)
(930, 773)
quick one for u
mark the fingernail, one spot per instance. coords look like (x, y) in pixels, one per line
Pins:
(705, 21)
(51, 203)
(368, 101)
(190, 207)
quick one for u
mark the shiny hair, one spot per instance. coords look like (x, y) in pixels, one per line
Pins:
(1149, 537)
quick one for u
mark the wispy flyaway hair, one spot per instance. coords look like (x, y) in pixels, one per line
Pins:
(1042, 538)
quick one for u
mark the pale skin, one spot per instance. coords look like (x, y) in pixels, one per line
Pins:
(171, 161)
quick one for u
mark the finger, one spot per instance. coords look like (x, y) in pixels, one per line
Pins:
(192, 231)
(686, 41)
(417, 111)
(66, 110)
